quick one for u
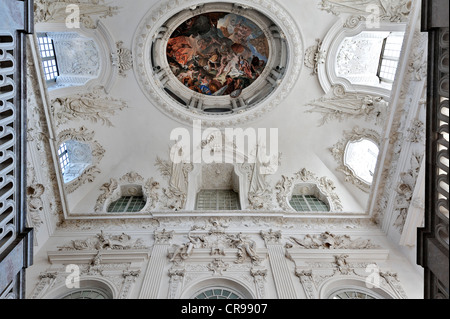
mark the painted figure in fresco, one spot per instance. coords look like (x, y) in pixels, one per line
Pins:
(204, 86)
(244, 66)
(241, 33)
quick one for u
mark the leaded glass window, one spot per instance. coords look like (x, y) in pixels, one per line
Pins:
(218, 293)
(63, 156)
(74, 157)
(87, 294)
(48, 57)
(352, 294)
(217, 200)
(308, 203)
(128, 204)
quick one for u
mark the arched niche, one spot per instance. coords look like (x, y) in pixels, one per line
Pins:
(217, 158)
(220, 176)
(330, 46)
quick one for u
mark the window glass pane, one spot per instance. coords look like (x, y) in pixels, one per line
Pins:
(351, 295)
(299, 203)
(87, 294)
(217, 200)
(63, 157)
(48, 57)
(306, 203)
(128, 204)
(361, 157)
(217, 293)
(390, 57)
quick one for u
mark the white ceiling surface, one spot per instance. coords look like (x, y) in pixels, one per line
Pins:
(141, 132)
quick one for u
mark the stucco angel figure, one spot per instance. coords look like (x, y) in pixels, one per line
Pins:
(308, 242)
(185, 250)
(34, 201)
(245, 246)
(112, 243)
(342, 266)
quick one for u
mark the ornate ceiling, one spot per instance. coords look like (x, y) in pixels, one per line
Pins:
(127, 115)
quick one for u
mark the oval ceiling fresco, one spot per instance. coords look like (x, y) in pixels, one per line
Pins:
(218, 53)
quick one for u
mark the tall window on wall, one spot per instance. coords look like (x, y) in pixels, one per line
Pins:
(389, 58)
(48, 56)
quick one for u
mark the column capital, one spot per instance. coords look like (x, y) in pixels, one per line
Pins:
(303, 273)
(271, 237)
(258, 272)
(131, 273)
(177, 272)
(163, 237)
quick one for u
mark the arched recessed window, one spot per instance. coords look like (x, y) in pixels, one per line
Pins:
(308, 203)
(361, 158)
(73, 158)
(87, 293)
(353, 294)
(131, 200)
(370, 58)
(308, 198)
(218, 293)
(48, 56)
(215, 199)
